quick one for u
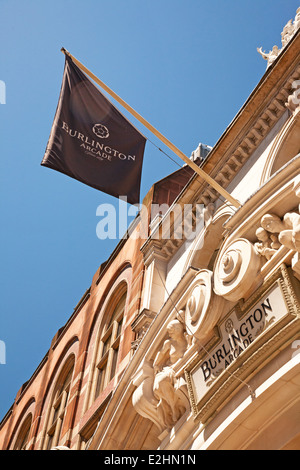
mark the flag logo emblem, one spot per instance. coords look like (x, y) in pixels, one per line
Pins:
(101, 131)
(86, 125)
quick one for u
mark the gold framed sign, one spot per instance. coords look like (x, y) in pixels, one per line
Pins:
(245, 340)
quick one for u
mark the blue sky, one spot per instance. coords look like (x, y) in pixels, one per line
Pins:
(187, 66)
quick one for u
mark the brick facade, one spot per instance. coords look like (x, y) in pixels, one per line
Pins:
(77, 339)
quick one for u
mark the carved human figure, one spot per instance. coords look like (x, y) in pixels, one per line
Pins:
(164, 386)
(274, 242)
(265, 246)
(288, 228)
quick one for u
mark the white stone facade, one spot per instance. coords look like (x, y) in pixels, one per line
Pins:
(218, 367)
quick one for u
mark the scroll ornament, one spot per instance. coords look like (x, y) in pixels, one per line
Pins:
(203, 308)
(236, 270)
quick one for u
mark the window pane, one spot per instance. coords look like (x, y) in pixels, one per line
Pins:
(58, 406)
(120, 327)
(49, 445)
(55, 415)
(108, 349)
(100, 380)
(114, 363)
(106, 345)
(119, 308)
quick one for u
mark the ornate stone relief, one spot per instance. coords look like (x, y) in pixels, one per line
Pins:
(293, 102)
(161, 396)
(267, 244)
(168, 390)
(140, 326)
(211, 382)
(288, 32)
(161, 393)
(236, 270)
(269, 56)
(276, 231)
(287, 229)
(203, 309)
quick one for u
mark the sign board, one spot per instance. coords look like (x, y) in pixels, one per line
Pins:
(238, 336)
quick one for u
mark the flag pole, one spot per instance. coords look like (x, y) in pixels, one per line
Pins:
(160, 136)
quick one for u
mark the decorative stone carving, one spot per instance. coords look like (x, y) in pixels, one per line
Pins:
(236, 270)
(166, 387)
(140, 326)
(266, 246)
(203, 309)
(288, 32)
(270, 56)
(143, 399)
(161, 396)
(288, 229)
(296, 265)
(290, 29)
(293, 102)
(276, 232)
(297, 20)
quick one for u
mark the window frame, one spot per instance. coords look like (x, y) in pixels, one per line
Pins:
(58, 406)
(107, 356)
(23, 435)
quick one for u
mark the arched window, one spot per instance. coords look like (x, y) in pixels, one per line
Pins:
(58, 407)
(22, 439)
(285, 147)
(108, 350)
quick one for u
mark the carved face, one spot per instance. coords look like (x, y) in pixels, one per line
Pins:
(262, 234)
(174, 327)
(272, 223)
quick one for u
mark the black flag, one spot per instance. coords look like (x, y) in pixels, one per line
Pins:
(92, 142)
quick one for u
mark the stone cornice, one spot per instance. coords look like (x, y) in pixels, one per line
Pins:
(256, 202)
(263, 109)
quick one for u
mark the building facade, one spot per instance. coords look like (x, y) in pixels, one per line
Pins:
(189, 335)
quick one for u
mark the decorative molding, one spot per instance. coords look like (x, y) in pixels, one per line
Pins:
(276, 232)
(236, 269)
(161, 394)
(202, 309)
(288, 32)
(140, 326)
(225, 171)
(239, 154)
(265, 346)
